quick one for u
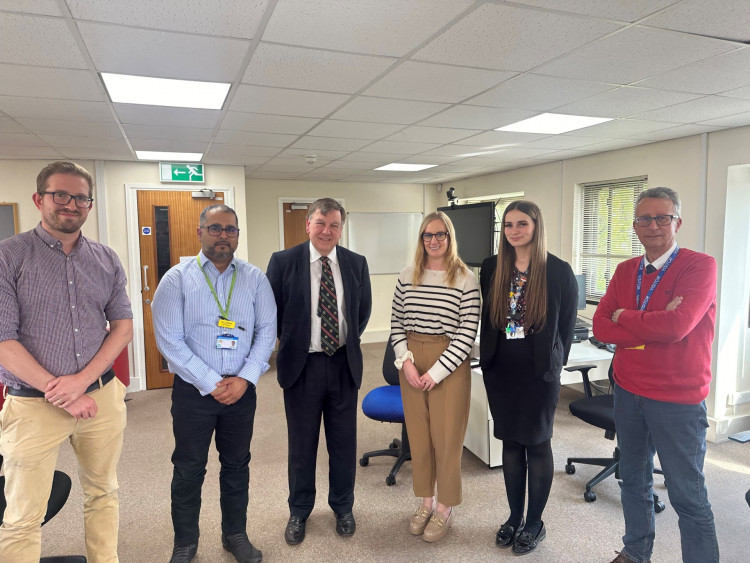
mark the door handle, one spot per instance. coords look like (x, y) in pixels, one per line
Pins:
(145, 279)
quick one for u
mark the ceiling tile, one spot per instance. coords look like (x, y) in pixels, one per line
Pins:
(473, 117)
(217, 17)
(402, 148)
(26, 151)
(171, 117)
(512, 38)
(302, 153)
(420, 134)
(161, 132)
(384, 110)
(709, 76)
(634, 54)
(57, 47)
(738, 93)
(349, 165)
(35, 81)
(387, 27)
(702, 109)
(253, 138)
(492, 139)
(8, 125)
(163, 54)
(624, 102)
(435, 83)
(260, 99)
(65, 127)
(329, 144)
(728, 19)
(373, 157)
(312, 69)
(265, 123)
(20, 139)
(96, 154)
(354, 129)
(44, 7)
(288, 164)
(21, 106)
(629, 11)
(536, 92)
(251, 161)
(738, 120)
(74, 141)
(674, 132)
(220, 149)
(561, 142)
(167, 146)
(619, 128)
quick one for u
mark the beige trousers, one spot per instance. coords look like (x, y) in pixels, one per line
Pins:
(31, 431)
(436, 422)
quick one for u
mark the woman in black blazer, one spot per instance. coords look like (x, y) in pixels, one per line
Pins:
(528, 316)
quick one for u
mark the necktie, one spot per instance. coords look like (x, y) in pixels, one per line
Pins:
(328, 310)
(650, 269)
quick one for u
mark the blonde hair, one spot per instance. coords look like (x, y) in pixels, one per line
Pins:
(454, 266)
(536, 288)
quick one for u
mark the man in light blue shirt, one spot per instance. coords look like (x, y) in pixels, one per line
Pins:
(215, 323)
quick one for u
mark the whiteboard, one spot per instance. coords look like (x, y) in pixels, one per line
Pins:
(387, 240)
(8, 220)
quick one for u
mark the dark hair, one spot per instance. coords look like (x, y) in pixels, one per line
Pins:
(661, 193)
(324, 205)
(536, 290)
(216, 207)
(63, 167)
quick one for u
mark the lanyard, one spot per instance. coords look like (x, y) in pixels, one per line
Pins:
(223, 310)
(664, 268)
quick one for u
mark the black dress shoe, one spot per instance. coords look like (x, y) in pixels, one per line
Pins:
(526, 542)
(239, 546)
(506, 535)
(184, 553)
(295, 530)
(345, 524)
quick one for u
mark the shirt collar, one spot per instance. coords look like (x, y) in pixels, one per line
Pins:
(205, 262)
(661, 260)
(315, 255)
(49, 240)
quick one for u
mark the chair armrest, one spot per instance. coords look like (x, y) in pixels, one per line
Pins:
(584, 369)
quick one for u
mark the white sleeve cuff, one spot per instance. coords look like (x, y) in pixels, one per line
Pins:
(400, 361)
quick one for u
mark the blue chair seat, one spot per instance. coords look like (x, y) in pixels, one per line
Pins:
(384, 404)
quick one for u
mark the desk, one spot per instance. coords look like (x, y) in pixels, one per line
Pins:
(480, 435)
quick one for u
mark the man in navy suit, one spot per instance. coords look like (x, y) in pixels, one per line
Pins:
(320, 376)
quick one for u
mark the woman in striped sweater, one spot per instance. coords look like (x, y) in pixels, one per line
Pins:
(433, 325)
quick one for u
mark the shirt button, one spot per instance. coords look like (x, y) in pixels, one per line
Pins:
(75, 330)
(72, 306)
(70, 283)
(78, 355)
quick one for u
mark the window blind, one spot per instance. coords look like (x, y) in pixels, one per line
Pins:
(603, 227)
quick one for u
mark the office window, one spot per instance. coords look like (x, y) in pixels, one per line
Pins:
(603, 230)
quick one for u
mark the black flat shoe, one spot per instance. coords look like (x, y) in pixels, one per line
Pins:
(184, 553)
(345, 524)
(526, 542)
(295, 530)
(506, 535)
(239, 546)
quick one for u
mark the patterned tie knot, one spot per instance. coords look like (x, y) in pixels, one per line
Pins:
(328, 309)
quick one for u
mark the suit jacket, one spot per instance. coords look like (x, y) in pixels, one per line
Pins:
(289, 274)
(552, 343)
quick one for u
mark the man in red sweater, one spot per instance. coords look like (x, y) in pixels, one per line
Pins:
(659, 309)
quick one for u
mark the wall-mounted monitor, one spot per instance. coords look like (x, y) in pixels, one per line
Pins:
(475, 230)
(581, 279)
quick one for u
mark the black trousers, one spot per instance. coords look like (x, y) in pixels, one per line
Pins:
(325, 389)
(194, 420)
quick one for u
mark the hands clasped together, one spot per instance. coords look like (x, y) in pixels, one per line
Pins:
(423, 382)
(67, 392)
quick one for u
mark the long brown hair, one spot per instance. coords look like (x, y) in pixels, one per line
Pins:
(453, 264)
(536, 288)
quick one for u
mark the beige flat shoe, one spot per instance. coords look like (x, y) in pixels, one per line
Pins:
(437, 527)
(419, 521)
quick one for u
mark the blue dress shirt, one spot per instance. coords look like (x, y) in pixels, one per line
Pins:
(186, 314)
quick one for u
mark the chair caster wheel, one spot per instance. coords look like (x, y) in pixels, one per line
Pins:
(570, 469)
(659, 507)
(393, 445)
(390, 480)
(364, 462)
(589, 496)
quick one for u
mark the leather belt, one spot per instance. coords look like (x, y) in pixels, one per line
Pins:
(30, 392)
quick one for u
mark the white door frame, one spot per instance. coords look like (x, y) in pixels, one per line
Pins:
(135, 279)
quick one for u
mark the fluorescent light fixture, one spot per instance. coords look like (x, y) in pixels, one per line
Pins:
(179, 156)
(398, 167)
(127, 89)
(553, 123)
(481, 153)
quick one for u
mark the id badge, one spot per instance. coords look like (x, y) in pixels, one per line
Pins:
(226, 342)
(226, 323)
(514, 332)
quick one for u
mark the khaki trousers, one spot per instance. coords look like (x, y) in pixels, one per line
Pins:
(436, 422)
(31, 431)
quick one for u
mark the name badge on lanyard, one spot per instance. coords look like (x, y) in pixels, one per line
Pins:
(226, 342)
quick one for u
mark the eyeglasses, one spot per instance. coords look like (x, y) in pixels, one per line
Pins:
(216, 230)
(61, 198)
(441, 235)
(661, 220)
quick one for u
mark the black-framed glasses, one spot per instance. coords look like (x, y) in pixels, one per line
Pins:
(661, 220)
(216, 230)
(62, 198)
(440, 235)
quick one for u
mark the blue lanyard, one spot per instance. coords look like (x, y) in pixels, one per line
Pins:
(664, 268)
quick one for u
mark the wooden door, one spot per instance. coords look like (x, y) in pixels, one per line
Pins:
(167, 226)
(295, 219)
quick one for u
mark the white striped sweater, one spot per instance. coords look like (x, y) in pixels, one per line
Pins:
(434, 308)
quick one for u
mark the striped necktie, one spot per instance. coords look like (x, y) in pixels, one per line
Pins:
(328, 310)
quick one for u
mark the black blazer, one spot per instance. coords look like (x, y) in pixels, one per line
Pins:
(552, 343)
(289, 274)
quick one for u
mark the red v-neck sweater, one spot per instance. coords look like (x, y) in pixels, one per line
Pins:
(675, 363)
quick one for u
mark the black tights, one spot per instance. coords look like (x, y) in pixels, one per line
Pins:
(538, 459)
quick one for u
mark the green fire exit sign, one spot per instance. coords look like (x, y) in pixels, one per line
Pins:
(181, 172)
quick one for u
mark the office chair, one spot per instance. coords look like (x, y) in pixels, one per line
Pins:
(599, 411)
(384, 404)
(58, 496)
